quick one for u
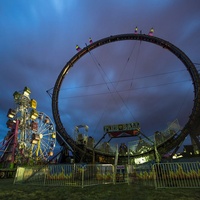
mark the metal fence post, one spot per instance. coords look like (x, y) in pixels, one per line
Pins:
(82, 176)
(114, 174)
(45, 175)
(128, 174)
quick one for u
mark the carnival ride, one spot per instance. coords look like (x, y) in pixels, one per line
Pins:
(31, 138)
(172, 138)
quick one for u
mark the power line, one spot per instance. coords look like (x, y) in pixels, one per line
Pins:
(130, 89)
(123, 80)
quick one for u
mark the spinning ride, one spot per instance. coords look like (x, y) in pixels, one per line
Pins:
(191, 127)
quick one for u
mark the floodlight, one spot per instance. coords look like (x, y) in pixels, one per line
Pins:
(27, 91)
(33, 114)
(33, 103)
(11, 113)
(16, 95)
(10, 123)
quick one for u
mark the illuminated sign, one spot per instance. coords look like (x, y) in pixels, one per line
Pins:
(123, 130)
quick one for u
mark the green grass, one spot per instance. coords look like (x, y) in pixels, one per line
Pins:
(137, 191)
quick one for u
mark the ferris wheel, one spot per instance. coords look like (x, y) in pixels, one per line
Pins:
(39, 141)
(32, 136)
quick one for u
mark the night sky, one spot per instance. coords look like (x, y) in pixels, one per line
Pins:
(117, 83)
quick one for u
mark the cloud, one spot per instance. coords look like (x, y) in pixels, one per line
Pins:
(116, 83)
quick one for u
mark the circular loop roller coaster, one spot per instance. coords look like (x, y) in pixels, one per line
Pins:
(86, 154)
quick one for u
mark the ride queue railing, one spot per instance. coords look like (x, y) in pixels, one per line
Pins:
(160, 175)
(177, 175)
(79, 175)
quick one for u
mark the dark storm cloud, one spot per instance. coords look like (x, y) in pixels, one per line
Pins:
(38, 38)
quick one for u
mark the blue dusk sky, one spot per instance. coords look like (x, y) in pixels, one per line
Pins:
(120, 82)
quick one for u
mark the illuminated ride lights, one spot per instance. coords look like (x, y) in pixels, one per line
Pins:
(32, 136)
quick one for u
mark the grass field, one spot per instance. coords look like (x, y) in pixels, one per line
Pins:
(10, 191)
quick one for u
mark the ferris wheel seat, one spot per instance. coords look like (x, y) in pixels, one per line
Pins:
(34, 126)
(53, 135)
(34, 141)
(36, 136)
(46, 120)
